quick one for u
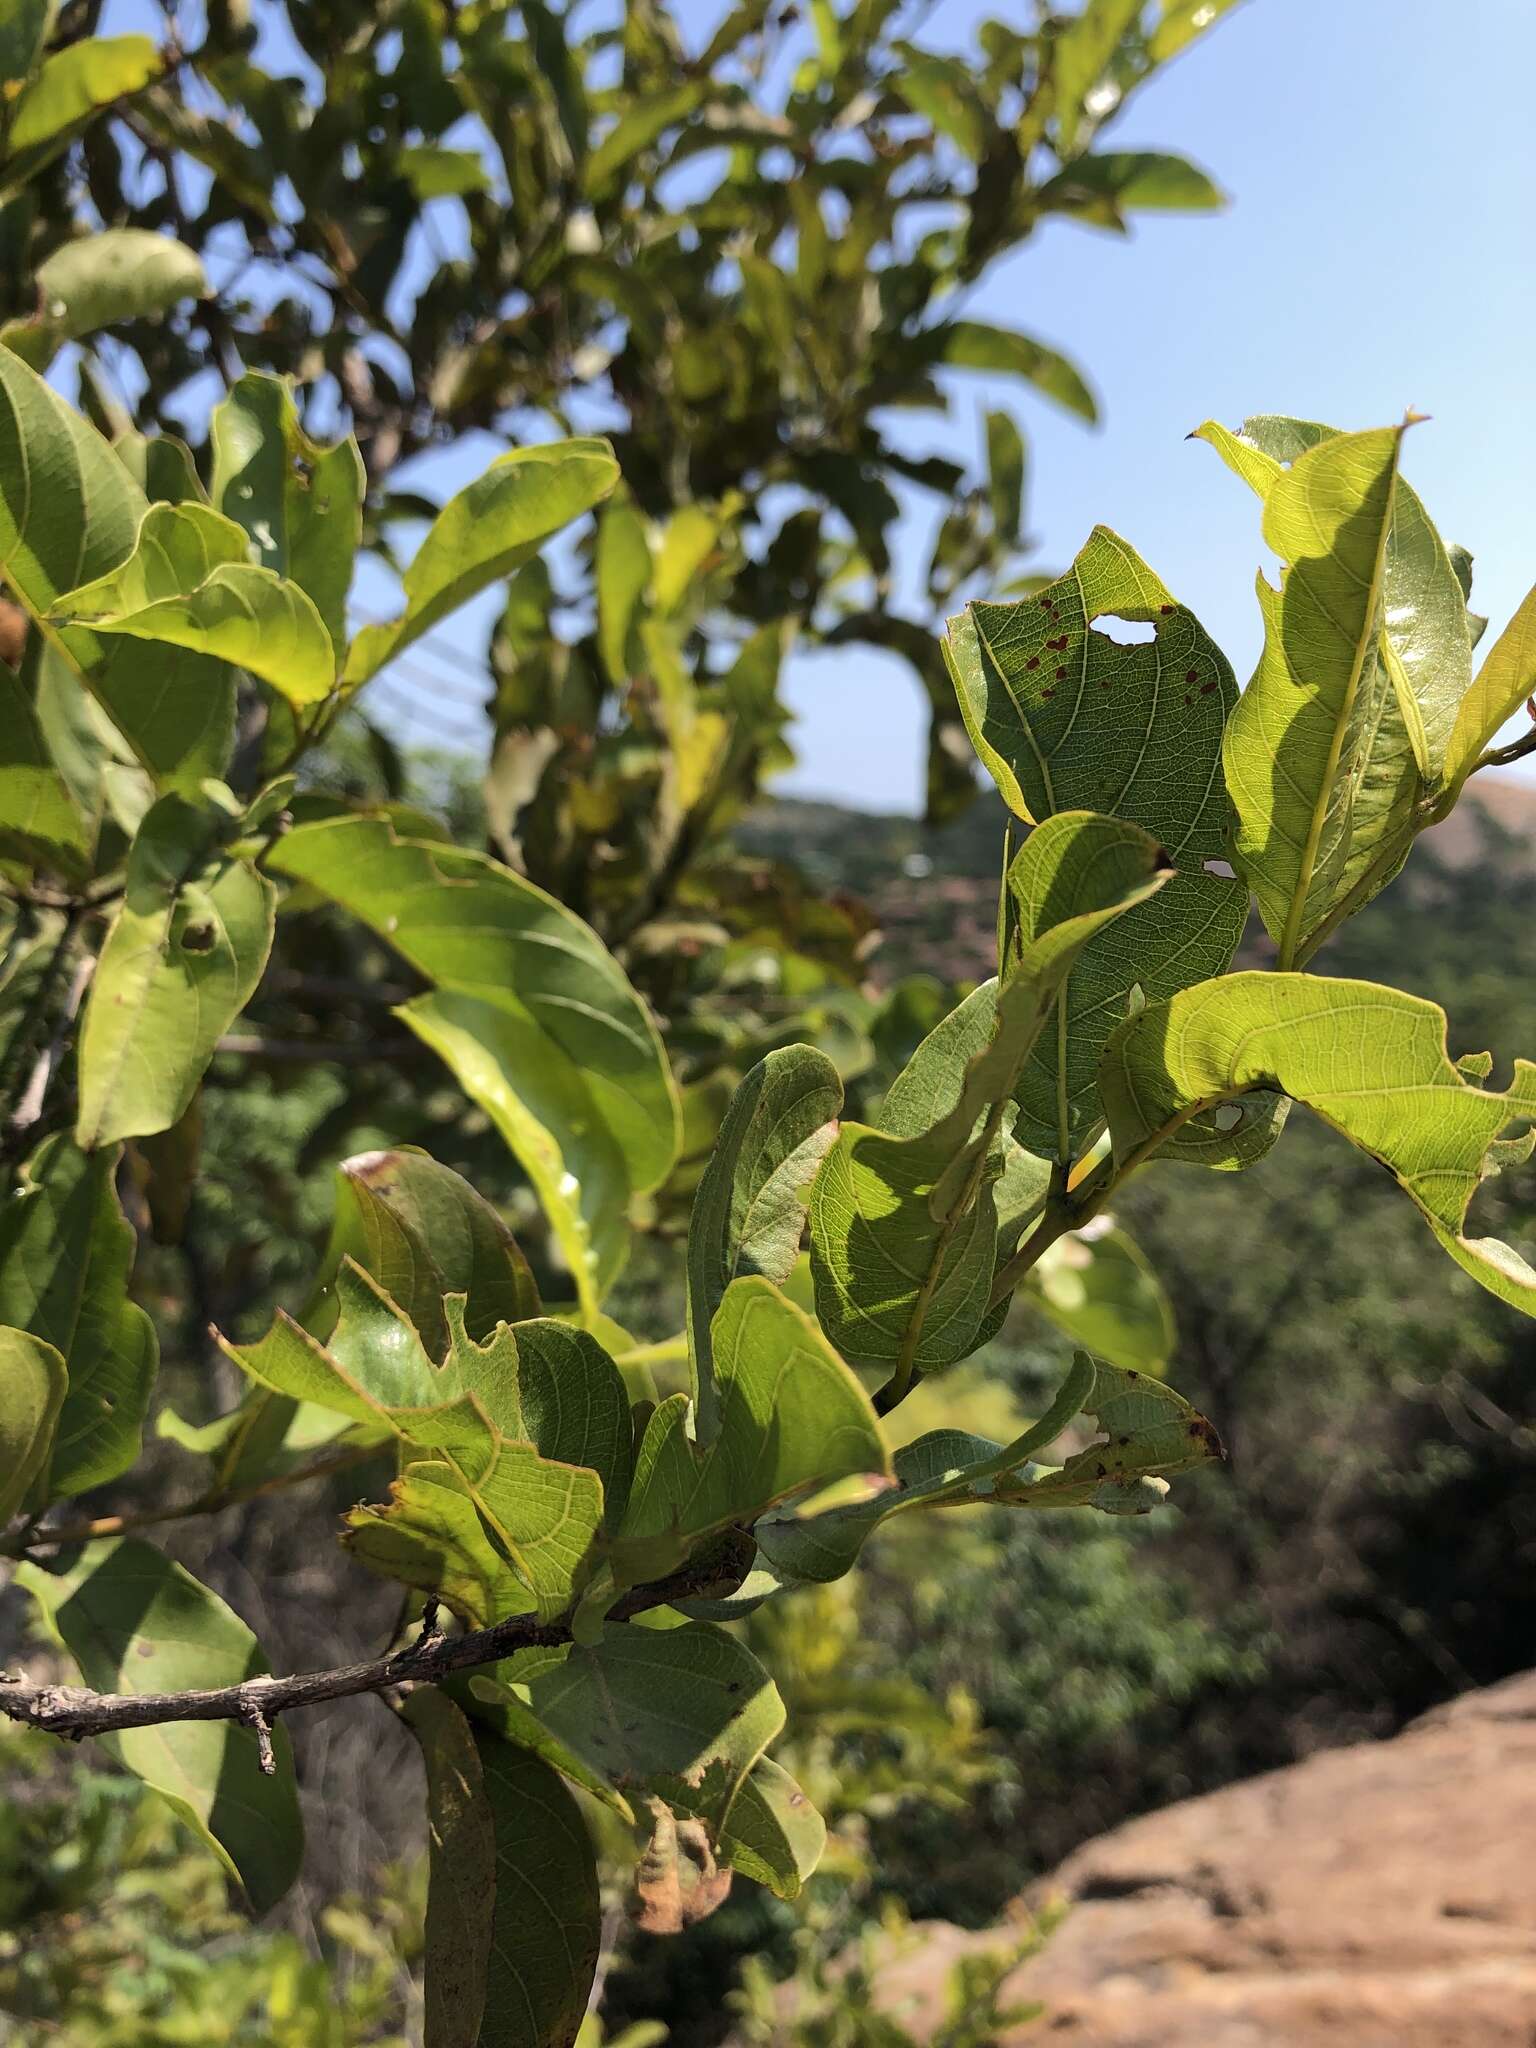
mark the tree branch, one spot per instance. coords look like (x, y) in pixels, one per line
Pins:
(76, 1712)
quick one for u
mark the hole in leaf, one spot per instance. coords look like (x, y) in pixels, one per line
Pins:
(1224, 868)
(197, 938)
(1125, 632)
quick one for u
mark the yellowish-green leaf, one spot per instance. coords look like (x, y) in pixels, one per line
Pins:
(791, 1416)
(182, 958)
(119, 274)
(300, 501)
(486, 532)
(32, 1385)
(188, 583)
(531, 1012)
(1371, 1061)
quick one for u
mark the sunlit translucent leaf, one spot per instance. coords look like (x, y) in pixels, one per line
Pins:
(641, 123)
(1065, 714)
(531, 1012)
(134, 1622)
(486, 532)
(1325, 753)
(433, 172)
(1098, 1286)
(749, 1208)
(72, 84)
(181, 959)
(70, 513)
(300, 501)
(32, 1383)
(513, 1909)
(1425, 619)
(66, 1252)
(189, 584)
(428, 1535)
(1370, 1060)
(1505, 682)
(904, 1225)
(972, 345)
(791, 1416)
(120, 274)
(1181, 22)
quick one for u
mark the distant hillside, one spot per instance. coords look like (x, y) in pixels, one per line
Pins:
(934, 890)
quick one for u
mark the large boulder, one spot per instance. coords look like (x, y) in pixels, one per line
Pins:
(1382, 1896)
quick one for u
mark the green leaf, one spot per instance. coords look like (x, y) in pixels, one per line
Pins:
(69, 514)
(772, 1833)
(119, 274)
(791, 1416)
(64, 96)
(300, 501)
(1065, 715)
(423, 1233)
(530, 1427)
(1099, 1286)
(972, 345)
(749, 1207)
(134, 1622)
(429, 1535)
(904, 1225)
(532, 1014)
(32, 1384)
(513, 1909)
(1371, 1061)
(622, 566)
(188, 584)
(461, 1866)
(23, 31)
(943, 91)
(1321, 752)
(181, 960)
(1427, 641)
(433, 172)
(486, 532)
(678, 1714)
(1506, 681)
(66, 1252)
(1005, 474)
(1080, 56)
(640, 124)
(1103, 187)
(1145, 1431)
(40, 821)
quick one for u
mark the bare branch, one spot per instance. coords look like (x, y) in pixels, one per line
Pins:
(76, 1712)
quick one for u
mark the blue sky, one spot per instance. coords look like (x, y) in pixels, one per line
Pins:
(1377, 253)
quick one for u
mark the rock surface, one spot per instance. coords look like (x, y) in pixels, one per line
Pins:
(1382, 1896)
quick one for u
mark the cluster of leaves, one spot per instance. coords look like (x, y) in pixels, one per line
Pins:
(744, 257)
(530, 1481)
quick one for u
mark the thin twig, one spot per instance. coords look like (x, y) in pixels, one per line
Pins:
(205, 1504)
